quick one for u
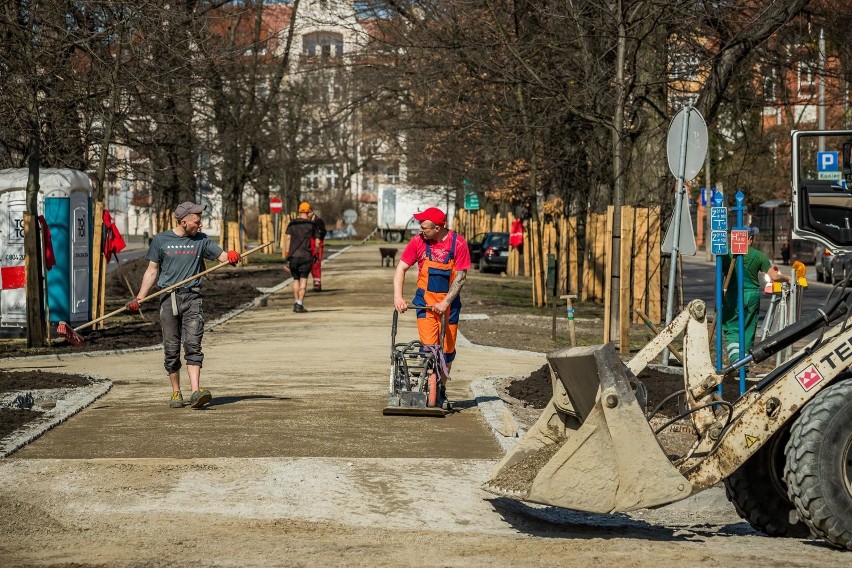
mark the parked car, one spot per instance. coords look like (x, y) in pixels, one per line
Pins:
(805, 252)
(490, 251)
(841, 267)
(822, 265)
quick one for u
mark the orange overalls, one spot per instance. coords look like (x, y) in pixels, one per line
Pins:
(433, 283)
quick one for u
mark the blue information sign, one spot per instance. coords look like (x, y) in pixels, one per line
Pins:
(719, 242)
(718, 218)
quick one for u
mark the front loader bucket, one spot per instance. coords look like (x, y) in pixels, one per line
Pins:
(592, 449)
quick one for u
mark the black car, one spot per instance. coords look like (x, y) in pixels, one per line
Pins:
(490, 251)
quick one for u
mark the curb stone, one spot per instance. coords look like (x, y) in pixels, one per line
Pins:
(503, 425)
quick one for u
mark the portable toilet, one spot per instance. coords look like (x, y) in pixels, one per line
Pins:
(65, 201)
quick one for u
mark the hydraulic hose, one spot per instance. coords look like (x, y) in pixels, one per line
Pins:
(792, 333)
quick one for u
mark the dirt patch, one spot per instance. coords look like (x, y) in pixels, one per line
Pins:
(11, 381)
(535, 390)
(13, 418)
(18, 411)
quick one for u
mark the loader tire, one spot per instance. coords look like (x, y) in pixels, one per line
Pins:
(819, 464)
(759, 494)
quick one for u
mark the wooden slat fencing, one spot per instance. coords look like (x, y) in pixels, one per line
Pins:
(582, 248)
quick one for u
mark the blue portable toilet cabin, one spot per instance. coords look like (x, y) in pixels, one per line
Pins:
(65, 202)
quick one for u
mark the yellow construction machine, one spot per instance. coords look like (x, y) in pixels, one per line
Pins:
(783, 449)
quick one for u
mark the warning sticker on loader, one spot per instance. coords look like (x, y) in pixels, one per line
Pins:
(809, 378)
(750, 440)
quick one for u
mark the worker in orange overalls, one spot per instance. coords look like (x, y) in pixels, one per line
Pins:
(443, 259)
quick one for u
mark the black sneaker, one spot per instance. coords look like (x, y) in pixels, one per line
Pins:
(299, 308)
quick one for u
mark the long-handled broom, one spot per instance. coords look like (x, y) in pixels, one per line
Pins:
(72, 336)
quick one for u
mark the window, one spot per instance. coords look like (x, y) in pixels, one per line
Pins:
(392, 173)
(330, 177)
(684, 66)
(310, 181)
(806, 77)
(325, 44)
(769, 81)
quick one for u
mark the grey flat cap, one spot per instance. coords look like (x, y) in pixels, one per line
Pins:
(186, 208)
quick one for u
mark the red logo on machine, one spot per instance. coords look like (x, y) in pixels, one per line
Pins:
(809, 378)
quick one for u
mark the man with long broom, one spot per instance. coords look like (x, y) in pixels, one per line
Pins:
(174, 255)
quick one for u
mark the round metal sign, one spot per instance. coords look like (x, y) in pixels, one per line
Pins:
(275, 205)
(687, 122)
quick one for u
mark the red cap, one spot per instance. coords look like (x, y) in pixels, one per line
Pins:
(432, 214)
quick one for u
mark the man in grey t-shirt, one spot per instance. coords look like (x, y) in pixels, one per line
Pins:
(175, 255)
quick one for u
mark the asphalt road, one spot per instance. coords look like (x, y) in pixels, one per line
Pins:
(699, 277)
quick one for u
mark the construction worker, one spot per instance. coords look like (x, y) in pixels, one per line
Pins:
(443, 259)
(174, 255)
(297, 246)
(754, 263)
(317, 247)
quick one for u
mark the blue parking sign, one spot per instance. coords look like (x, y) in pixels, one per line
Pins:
(719, 242)
(718, 219)
(828, 161)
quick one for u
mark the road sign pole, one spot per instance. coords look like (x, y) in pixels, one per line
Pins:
(676, 227)
(719, 224)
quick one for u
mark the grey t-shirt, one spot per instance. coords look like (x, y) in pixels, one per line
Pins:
(181, 257)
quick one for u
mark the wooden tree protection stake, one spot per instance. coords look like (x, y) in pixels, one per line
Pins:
(98, 267)
(607, 283)
(625, 257)
(656, 331)
(655, 303)
(640, 264)
(569, 312)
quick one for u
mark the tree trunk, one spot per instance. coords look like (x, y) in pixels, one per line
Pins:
(36, 333)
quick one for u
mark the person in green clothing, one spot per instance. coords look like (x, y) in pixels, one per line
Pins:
(754, 263)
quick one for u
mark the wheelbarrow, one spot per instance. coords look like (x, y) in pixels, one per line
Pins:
(388, 256)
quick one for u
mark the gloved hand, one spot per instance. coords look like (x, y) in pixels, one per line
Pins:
(233, 257)
(132, 306)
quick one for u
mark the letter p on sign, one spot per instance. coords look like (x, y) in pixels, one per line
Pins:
(827, 161)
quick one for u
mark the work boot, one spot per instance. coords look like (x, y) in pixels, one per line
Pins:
(299, 308)
(442, 396)
(199, 398)
(177, 400)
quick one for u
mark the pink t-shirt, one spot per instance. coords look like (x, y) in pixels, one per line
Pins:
(415, 251)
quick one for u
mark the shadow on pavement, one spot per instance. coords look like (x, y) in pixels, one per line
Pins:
(553, 522)
(222, 400)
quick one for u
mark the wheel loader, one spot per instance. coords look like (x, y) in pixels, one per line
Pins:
(783, 449)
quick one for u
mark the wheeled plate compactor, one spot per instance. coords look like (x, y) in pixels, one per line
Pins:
(415, 386)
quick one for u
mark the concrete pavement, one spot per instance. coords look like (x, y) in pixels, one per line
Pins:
(284, 384)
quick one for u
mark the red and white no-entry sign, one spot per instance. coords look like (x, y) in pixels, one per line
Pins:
(275, 205)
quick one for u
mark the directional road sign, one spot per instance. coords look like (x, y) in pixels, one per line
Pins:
(718, 218)
(719, 242)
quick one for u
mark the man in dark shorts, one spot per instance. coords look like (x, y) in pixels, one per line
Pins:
(175, 255)
(300, 231)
